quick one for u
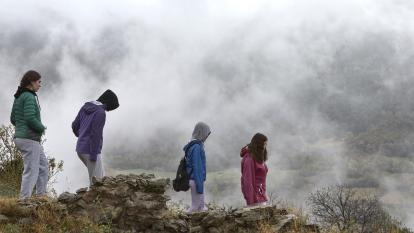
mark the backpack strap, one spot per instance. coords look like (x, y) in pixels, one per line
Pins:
(193, 142)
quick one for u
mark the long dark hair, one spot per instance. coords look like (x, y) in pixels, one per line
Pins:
(28, 77)
(257, 148)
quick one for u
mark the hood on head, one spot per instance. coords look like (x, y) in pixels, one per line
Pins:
(20, 91)
(109, 99)
(201, 131)
(244, 151)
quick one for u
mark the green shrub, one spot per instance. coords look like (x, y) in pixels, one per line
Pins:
(11, 165)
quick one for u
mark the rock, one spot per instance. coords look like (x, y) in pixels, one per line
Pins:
(25, 221)
(172, 227)
(81, 203)
(280, 212)
(116, 213)
(176, 225)
(129, 204)
(158, 227)
(96, 181)
(81, 190)
(3, 219)
(123, 190)
(156, 186)
(198, 216)
(311, 228)
(213, 230)
(137, 203)
(66, 197)
(88, 197)
(213, 219)
(285, 223)
(239, 221)
(196, 229)
(253, 216)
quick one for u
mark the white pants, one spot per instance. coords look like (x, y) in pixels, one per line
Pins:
(36, 168)
(197, 200)
(95, 168)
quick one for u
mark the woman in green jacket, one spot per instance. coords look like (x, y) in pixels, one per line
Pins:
(29, 129)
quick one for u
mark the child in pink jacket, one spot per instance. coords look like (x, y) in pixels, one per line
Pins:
(254, 171)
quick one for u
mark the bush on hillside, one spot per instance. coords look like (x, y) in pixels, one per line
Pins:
(344, 209)
(11, 165)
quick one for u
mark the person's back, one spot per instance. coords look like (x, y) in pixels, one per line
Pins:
(254, 171)
(90, 120)
(253, 180)
(196, 163)
(88, 127)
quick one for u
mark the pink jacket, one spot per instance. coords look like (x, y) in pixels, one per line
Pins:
(253, 179)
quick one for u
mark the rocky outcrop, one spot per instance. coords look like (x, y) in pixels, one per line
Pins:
(136, 203)
(258, 219)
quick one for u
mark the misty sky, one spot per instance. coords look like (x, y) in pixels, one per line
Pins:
(305, 73)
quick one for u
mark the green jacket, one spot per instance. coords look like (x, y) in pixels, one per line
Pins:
(25, 116)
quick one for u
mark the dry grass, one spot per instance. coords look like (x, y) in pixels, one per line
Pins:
(264, 227)
(298, 225)
(47, 217)
(10, 207)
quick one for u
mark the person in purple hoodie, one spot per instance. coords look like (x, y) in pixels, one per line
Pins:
(88, 128)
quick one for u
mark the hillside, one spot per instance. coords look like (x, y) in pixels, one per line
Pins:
(136, 203)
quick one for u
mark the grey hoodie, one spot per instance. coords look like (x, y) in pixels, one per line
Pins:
(201, 131)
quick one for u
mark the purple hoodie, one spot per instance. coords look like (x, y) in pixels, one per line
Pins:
(88, 127)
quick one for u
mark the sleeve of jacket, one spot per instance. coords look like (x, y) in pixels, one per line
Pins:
(197, 165)
(247, 180)
(12, 117)
(29, 112)
(76, 125)
(97, 126)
